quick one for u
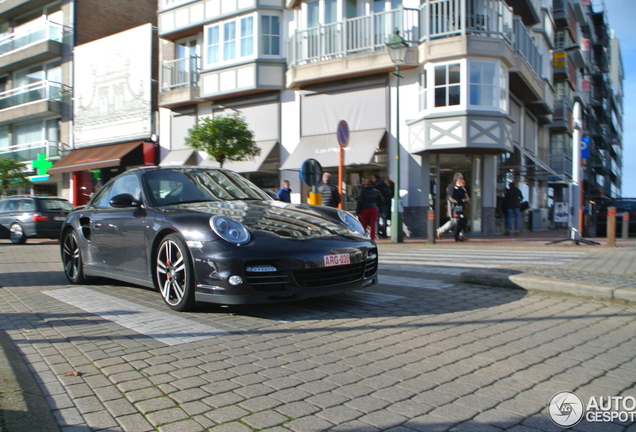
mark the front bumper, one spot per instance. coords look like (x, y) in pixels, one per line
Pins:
(291, 271)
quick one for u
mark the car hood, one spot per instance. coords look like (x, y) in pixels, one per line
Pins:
(299, 221)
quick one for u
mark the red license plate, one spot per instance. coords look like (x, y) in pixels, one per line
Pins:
(337, 259)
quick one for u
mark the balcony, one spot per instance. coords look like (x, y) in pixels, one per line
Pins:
(525, 75)
(12, 8)
(561, 164)
(562, 116)
(33, 101)
(528, 10)
(179, 82)
(21, 49)
(29, 151)
(356, 46)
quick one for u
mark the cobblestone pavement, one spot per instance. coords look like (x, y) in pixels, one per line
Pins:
(418, 352)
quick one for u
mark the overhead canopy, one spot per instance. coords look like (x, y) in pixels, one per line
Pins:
(325, 149)
(178, 158)
(93, 157)
(250, 165)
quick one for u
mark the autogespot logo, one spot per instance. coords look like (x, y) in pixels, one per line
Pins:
(566, 409)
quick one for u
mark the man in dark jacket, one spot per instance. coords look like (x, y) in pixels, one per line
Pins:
(387, 194)
(329, 193)
(512, 204)
(284, 193)
(369, 202)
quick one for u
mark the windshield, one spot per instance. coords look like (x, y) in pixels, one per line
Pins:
(175, 186)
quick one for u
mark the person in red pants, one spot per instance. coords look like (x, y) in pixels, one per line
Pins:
(369, 202)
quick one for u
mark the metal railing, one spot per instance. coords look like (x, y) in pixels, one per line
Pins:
(23, 39)
(524, 46)
(561, 164)
(434, 19)
(29, 151)
(180, 73)
(37, 91)
(363, 33)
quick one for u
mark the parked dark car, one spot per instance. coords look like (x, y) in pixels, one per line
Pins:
(23, 217)
(205, 235)
(622, 205)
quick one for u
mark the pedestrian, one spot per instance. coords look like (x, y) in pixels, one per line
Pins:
(461, 198)
(329, 193)
(450, 204)
(284, 192)
(512, 204)
(368, 207)
(387, 194)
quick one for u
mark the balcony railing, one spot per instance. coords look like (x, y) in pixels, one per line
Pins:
(20, 40)
(35, 92)
(561, 164)
(29, 151)
(524, 46)
(364, 33)
(434, 19)
(444, 18)
(180, 73)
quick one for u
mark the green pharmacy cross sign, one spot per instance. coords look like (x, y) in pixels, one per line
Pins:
(41, 165)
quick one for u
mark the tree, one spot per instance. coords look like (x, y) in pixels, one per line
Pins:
(12, 175)
(224, 138)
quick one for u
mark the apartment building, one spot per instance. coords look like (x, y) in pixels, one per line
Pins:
(44, 99)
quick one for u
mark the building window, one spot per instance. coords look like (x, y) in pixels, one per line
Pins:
(214, 45)
(270, 35)
(235, 39)
(447, 85)
(247, 36)
(4, 139)
(503, 88)
(482, 84)
(423, 93)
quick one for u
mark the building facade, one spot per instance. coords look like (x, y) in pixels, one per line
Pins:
(42, 93)
(487, 89)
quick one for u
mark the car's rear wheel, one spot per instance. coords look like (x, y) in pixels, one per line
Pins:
(72, 258)
(17, 234)
(174, 273)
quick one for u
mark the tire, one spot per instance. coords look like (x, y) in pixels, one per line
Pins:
(174, 274)
(72, 258)
(16, 233)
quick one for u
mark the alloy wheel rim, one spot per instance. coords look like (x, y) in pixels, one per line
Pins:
(16, 232)
(171, 272)
(71, 256)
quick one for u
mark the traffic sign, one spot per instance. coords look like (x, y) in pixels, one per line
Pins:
(343, 133)
(585, 148)
(311, 172)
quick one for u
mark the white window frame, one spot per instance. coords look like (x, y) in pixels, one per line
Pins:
(270, 36)
(430, 94)
(423, 90)
(237, 40)
(498, 86)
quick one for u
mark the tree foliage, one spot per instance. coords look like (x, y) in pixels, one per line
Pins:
(224, 139)
(12, 175)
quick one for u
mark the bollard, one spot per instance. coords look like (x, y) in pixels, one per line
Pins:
(431, 226)
(611, 226)
(625, 225)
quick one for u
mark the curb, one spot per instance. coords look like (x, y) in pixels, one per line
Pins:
(515, 279)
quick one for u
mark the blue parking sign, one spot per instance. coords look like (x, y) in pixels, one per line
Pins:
(585, 148)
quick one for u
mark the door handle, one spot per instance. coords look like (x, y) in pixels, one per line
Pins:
(97, 225)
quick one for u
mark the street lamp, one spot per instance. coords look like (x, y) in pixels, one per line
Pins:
(397, 48)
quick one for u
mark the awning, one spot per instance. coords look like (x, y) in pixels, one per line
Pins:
(93, 157)
(325, 149)
(249, 165)
(179, 157)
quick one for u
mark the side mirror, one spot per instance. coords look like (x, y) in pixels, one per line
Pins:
(124, 200)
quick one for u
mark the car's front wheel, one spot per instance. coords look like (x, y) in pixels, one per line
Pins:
(174, 273)
(17, 234)
(72, 258)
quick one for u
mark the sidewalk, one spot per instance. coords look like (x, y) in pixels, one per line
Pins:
(605, 273)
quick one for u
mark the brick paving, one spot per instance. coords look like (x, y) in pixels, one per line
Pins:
(399, 357)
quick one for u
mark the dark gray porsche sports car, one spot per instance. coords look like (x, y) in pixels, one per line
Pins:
(203, 235)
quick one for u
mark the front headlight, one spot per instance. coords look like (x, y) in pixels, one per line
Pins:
(230, 230)
(351, 221)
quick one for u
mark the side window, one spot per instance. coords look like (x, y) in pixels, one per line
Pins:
(27, 205)
(103, 196)
(3, 204)
(127, 184)
(12, 205)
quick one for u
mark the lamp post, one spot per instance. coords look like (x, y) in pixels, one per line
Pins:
(397, 48)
